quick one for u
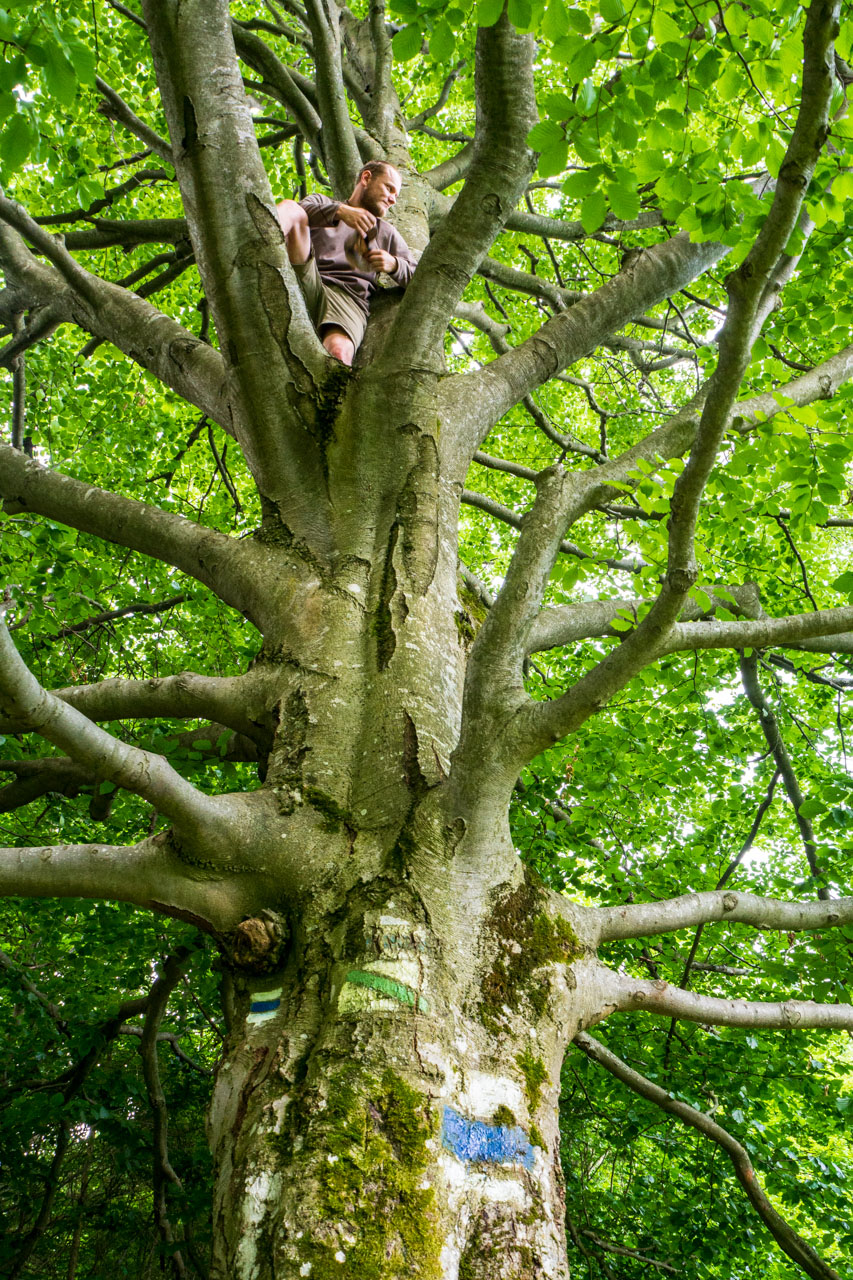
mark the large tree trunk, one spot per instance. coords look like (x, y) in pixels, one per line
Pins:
(386, 1103)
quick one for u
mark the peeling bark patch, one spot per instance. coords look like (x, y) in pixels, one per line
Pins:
(190, 138)
(418, 507)
(415, 780)
(475, 1142)
(388, 987)
(383, 624)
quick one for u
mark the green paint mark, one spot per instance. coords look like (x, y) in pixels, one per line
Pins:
(388, 987)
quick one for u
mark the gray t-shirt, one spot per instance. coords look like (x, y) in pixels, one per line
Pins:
(328, 241)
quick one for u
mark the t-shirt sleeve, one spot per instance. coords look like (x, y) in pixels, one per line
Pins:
(406, 261)
(322, 212)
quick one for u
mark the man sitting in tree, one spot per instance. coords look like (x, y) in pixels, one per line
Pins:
(336, 250)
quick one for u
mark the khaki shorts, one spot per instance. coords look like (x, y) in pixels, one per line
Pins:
(329, 306)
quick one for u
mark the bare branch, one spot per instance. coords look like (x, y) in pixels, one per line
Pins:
(506, 516)
(565, 624)
(797, 630)
(789, 1242)
(574, 333)
(664, 1000)
(37, 778)
(414, 122)
(279, 82)
(163, 1173)
(645, 919)
(155, 341)
(115, 108)
(773, 737)
(147, 874)
(104, 232)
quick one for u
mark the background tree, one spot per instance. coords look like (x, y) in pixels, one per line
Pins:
(438, 791)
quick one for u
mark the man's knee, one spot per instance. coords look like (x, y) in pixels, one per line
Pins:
(339, 345)
(294, 223)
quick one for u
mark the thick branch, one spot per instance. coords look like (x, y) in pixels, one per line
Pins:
(787, 1239)
(566, 624)
(275, 362)
(23, 699)
(502, 163)
(236, 570)
(575, 333)
(191, 368)
(340, 149)
(240, 702)
(37, 778)
(279, 81)
(646, 919)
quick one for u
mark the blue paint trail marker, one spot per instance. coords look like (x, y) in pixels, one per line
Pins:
(265, 1005)
(475, 1141)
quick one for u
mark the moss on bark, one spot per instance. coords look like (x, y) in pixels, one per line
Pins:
(379, 1222)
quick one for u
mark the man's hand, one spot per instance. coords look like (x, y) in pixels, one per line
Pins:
(361, 220)
(381, 261)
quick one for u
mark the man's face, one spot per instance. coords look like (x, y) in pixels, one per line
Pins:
(381, 192)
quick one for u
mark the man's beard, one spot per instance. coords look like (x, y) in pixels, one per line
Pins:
(371, 202)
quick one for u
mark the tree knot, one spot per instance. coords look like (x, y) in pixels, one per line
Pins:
(258, 944)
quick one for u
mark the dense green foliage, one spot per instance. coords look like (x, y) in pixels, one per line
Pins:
(648, 108)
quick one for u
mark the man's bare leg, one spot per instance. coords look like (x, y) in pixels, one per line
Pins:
(294, 224)
(338, 344)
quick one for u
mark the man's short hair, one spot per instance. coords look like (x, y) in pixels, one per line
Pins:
(374, 167)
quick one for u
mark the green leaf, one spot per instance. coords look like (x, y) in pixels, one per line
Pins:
(442, 42)
(580, 21)
(82, 60)
(664, 28)
(580, 184)
(761, 31)
(555, 22)
(844, 583)
(553, 160)
(624, 201)
(520, 13)
(593, 211)
(60, 76)
(586, 97)
(674, 185)
(17, 141)
(559, 106)
(545, 134)
(488, 12)
(612, 10)
(407, 42)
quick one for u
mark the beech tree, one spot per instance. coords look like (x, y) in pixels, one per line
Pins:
(443, 694)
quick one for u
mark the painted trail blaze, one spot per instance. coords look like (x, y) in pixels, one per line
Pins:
(264, 1005)
(474, 1140)
(389, 987)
